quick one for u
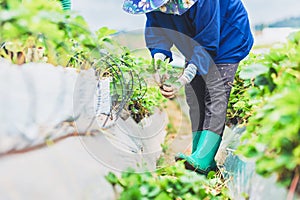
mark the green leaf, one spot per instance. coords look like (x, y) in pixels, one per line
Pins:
(211, 175)
(252, 71)
(248, 151)
(132, 194)
(240, 104)
(261, 80)
(112, 178)
(154, 192)
(163, 196)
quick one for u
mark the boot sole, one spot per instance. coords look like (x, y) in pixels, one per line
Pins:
(177, 159)
(190, 167)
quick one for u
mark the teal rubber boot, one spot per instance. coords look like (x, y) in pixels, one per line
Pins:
(66, 4)
(196, 136)
(202, 160)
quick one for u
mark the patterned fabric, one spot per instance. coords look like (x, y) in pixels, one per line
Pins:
(142, 6)
(176, 7)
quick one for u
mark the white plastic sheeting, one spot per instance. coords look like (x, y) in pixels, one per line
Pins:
(242, 180)
(35, 101)
(40, 102)
(127, 145)
(63, 171)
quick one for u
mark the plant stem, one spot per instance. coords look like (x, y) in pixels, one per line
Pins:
(293, 185)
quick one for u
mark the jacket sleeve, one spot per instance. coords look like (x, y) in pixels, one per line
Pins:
(206, 19)
(156, 40)
(66, 4)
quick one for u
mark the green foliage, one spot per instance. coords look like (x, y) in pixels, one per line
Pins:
(144, 98)
(252, 71)
(273, 135)
(42, 24)
(26, 26)
(166, 73)
(173, 182)
(260, 76)
(240, 102)
(273, 131)
(145, 94)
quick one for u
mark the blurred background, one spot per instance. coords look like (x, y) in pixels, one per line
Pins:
(271, 20)
(110, 13)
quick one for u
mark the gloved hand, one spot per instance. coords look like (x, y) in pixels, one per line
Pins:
(169, 91)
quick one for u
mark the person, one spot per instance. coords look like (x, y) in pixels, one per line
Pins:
(214, 36)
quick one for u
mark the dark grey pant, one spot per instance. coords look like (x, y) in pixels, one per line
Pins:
(207, 97)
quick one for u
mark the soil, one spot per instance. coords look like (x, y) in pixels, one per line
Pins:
(179, 136)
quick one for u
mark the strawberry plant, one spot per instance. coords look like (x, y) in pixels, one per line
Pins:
(273, 131)
(240, 104)
(39, 31)
(164, 72)
(26, 26)
(120, 64)
(173, 182)
(145, 95)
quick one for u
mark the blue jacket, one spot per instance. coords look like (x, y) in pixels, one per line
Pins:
(218, 28)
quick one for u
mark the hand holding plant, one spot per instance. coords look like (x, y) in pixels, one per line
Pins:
(166, 76)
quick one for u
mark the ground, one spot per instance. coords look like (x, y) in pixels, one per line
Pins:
(179, 136)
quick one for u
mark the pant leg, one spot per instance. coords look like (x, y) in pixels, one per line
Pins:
(218, 87)
(207, 97)
(195, 94)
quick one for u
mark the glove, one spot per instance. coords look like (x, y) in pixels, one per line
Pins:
(159, 56)
(169, 91)
(156, 75)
